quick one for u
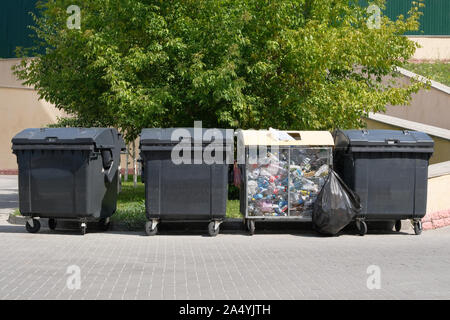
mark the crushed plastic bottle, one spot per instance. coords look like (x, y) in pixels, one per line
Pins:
(323, 171)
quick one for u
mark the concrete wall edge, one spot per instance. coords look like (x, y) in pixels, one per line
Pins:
(434, 84)
(411, 125)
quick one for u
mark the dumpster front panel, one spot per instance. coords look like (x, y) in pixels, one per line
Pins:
(63, 184)
(186, 188)
(60, 179)
(47, 181)
(184, 191)
(219, 191)
(387, 169)
(391, 186)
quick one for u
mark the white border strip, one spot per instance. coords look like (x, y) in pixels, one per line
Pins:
(434, 84)
(15, 87)
(411, 125)
(439, 169)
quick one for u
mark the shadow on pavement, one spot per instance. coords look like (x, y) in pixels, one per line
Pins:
(9, 201)
(12, 228)
(299, 229)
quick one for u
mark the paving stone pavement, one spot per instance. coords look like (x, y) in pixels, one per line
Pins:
(9, 199)
(118, 265)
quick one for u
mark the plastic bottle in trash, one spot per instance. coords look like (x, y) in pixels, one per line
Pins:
(297, 173)
(265, 206)
(262, 182)
(297, 184)
(322, 171)
(254, 173)
(282, 203)
(308, 185)
(272, 179)
(258, 196)
(252, 186)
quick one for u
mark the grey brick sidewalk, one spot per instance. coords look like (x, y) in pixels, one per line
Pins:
(303, 266)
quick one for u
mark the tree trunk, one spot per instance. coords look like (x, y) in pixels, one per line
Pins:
(134, 165)
(126, 162)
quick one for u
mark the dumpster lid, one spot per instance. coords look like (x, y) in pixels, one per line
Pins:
(383, 138)
(273, 137)
(103, 138)
(174, 135)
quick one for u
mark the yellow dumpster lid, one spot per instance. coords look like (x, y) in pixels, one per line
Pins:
(285, 138)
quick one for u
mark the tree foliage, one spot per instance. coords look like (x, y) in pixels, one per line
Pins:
(291, 64)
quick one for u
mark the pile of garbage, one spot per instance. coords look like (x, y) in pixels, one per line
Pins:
(303, 172)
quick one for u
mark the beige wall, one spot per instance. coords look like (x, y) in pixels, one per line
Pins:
(441, 146)
(431, 107)
(20, 108)
(432, 48)
(7, 78)
(438, 199)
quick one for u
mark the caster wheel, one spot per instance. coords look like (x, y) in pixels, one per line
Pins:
(52, 224)
(251, 227)
(362, 227)
(35, 228)
(418, 227)
(148, 229)
(398, 225)
(211, 230)
(104, 224)
(83, 230)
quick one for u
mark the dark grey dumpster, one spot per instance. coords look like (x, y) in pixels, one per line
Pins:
(68, 173)
(184, 191)
(388, 169)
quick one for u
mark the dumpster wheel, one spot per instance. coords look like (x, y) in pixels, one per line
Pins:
(104, 224)
(33, 225)
(251, 226)
(361, 225)
(398, 225)
(83, 228)
(52, 223)
(418, 227)
(214, 228)
(151, 228)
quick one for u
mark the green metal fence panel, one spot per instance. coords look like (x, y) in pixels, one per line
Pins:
(15, 19)
(14, 22)
(436, 18)
(434, 22)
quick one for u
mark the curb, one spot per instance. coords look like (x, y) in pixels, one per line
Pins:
(12, 219)
(9, 172)
(436, 220)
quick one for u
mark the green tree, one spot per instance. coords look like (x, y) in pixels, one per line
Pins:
(291, 64)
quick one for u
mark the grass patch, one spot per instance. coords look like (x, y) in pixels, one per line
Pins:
(438, 71)
(16, 213)
(233, 210)
(131, 205)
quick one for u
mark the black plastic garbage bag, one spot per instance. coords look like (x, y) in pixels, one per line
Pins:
(336, 206)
